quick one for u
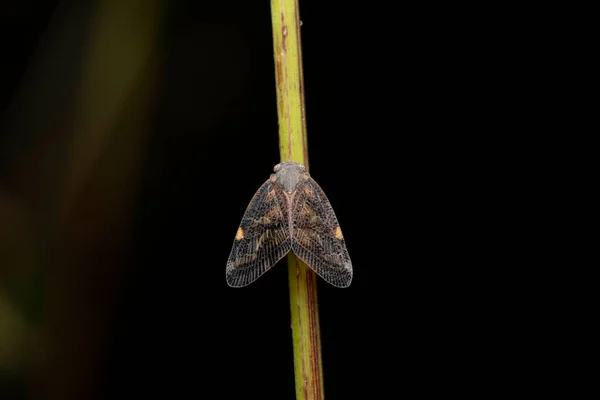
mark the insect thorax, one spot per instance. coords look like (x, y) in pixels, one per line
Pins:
(290, 176)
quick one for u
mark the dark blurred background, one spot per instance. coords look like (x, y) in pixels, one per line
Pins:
(133, 135)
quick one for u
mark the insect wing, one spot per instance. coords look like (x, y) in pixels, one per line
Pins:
(262, 238)
(317, 236)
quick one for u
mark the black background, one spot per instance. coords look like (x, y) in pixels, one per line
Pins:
(402, 112)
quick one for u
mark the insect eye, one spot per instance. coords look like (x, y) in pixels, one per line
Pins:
(277, 167)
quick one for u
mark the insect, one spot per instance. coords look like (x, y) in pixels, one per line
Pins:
(289, 212)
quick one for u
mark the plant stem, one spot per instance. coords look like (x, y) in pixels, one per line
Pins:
(293, 147)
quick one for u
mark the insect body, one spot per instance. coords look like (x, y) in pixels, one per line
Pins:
(289, 212)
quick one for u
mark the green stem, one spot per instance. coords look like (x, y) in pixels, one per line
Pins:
(293, 147)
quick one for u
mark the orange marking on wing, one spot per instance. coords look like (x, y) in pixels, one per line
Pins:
(240, 234)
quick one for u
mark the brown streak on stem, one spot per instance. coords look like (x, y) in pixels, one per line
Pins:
(313, 320)
(285, 81)
(310, 390)
(301, 84)
(283, 33)
(300, 322)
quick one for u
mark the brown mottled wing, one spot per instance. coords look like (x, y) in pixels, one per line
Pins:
(317, 238)
(262, 239)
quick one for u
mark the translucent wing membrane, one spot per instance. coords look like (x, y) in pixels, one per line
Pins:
(317, 237)
(262, 239)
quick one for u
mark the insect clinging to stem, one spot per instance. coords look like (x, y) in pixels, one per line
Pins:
(289, 212)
